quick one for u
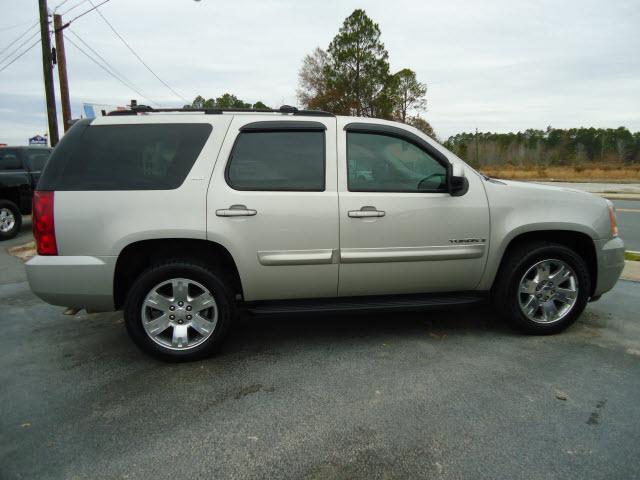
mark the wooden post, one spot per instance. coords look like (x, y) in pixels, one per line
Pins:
(62, 72)
(48, 74)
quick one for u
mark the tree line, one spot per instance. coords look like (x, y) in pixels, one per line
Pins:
(227, 100)
(553, 146)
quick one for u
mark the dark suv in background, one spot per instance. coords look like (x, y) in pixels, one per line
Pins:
(20, 169)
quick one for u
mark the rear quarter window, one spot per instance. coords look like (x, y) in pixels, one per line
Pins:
(125, 157)
(37, 159)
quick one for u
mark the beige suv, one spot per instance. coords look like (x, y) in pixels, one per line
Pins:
(180, 218)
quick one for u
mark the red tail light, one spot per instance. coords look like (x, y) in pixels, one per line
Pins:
(43, 224)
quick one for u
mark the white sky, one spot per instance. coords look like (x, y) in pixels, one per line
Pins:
(494, 64)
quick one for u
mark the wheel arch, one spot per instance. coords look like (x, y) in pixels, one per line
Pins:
(579, 241)
(138, 256)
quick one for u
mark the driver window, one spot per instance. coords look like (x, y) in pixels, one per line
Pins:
(382, 163)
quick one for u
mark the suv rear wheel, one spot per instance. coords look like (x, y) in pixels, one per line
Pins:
(178, 311)
(542, 288)
(10, 220)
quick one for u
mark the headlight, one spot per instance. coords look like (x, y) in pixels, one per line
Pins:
(612, 219)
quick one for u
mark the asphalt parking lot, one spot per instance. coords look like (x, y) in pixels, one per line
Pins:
(423, 395)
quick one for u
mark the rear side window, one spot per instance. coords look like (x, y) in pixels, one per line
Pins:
(9, 160)
(277, 160)
(125, 157)
(37, 158)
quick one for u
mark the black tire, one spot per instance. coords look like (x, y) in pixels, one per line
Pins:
(516, 264)
(214, 281)
(15, 211)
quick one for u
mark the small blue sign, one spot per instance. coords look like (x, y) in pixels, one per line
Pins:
(89, 111)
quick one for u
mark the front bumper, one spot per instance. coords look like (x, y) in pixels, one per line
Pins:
(73, 281)
(610, 257)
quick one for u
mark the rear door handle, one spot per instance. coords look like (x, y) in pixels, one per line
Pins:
(236, 211)
(366, 212)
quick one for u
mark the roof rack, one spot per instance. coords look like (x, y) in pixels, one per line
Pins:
(285, 109)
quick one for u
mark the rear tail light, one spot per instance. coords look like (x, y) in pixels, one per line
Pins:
(43, 223)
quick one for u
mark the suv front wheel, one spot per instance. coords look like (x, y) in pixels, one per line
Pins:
(178, 311)
(542, 287)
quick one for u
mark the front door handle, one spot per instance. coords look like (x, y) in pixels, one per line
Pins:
(366, 212)
(236, 211)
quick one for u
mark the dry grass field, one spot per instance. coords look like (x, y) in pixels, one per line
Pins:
(590, 173)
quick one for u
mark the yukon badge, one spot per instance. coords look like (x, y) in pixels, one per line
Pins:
(467, 240)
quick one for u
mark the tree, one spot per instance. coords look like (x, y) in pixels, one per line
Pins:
(227, 100)
(352, 76)
(422, 125)
(359, 66)
(312, 81)
(409, 94)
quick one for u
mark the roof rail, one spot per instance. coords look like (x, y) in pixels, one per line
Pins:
(284, 109)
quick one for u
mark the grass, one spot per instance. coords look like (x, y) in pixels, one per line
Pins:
(632, 256)
(579, 173)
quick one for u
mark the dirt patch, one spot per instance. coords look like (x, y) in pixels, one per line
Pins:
(23, 252)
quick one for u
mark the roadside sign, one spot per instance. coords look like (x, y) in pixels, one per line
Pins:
(38, 140)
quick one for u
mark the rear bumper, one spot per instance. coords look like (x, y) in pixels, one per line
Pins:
(73, 281)
(610, 255)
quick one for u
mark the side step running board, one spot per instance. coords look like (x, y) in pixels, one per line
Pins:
(378, 303)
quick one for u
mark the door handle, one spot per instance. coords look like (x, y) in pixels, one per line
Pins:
(236, 211)
(366, 212)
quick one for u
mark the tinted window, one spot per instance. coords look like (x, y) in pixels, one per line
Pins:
(382, 163)
(124, 157)
(9, 160)
(37, 158)
(277, 161)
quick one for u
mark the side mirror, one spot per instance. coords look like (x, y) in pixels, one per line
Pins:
(458, 183)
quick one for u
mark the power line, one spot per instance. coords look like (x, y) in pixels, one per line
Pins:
(136, 55)
(55, 9)
(18, 39)
(19, 56)
(70, 8)
(16, 25)
(105, 68)
(123, 79)
(35, 34)
(87, 11)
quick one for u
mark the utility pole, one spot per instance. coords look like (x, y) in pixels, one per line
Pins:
(477, 164)
(48, 74)
(62, 71)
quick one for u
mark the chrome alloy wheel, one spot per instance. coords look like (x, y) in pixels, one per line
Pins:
(179, 314)
(7, 220)
(548, 291)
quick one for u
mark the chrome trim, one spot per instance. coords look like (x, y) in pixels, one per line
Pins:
(297, 257)
(236, 211)
(411, 254)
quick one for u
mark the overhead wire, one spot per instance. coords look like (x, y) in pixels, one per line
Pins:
(20, 55)
(114, 70)
(136, 54)
(107, 70)
(18, 39)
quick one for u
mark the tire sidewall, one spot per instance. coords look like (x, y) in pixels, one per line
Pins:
(155, 275)
(527, 261)
(18, 220)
